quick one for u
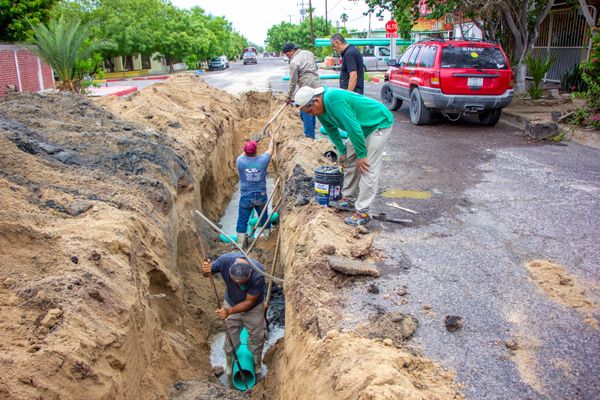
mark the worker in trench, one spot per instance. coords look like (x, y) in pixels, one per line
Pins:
(368, 124)
(252, 170)
(243, 304)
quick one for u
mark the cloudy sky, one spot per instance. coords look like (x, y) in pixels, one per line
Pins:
(252, 18)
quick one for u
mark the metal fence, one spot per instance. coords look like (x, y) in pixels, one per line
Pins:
(565, 34)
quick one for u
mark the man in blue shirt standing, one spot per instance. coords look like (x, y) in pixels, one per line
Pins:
(252, 170)
(244, 295)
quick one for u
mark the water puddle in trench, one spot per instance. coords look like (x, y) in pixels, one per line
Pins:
(276, 311)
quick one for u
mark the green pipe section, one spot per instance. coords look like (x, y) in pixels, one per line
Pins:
(343, 134)
(233, 238)
(246, 362)
(330, 76)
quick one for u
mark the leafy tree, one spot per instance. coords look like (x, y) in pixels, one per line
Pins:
(16, 17)
(65, 46)
(515, 24)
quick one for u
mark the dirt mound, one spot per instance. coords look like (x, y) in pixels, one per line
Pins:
(563, 288)
(98, 258)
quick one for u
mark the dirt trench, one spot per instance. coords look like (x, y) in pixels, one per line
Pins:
(102, 297)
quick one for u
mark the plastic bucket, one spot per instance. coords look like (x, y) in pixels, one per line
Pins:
(329, 181)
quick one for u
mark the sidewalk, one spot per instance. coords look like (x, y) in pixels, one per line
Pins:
(519, 112)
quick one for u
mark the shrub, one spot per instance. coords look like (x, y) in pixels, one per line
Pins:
(538, 67)
(572, 80)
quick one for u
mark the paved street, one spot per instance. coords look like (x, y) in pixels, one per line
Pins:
(497, 201)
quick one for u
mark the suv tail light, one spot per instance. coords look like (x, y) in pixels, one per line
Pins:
(435, 80)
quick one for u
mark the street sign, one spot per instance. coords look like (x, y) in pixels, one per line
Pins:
(391, 35)
(391, 26)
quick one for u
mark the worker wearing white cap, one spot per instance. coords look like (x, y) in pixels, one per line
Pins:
(368, 124)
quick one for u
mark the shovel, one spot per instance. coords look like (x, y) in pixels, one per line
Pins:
(261, 135)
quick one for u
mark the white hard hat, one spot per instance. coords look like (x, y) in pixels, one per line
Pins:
(305, 94)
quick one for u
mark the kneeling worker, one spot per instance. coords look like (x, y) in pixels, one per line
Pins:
(243, 305)
(368, 124)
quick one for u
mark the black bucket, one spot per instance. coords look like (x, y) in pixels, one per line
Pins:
(329, 181)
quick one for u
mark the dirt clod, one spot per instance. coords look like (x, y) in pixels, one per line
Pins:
(218, 370)
(453, 323)
(373, 288)
(52, 317)
(512, 344)
(74, 259)
(328, 250)
(348, 266)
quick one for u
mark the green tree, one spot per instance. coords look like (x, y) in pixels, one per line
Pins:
(16, 17)
(515, 24)
(64, 46)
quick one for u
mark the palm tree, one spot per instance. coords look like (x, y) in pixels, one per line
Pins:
(61, 45)
(344, 18)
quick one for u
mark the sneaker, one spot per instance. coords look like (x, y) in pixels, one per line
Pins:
(344, 204)
(358, 218)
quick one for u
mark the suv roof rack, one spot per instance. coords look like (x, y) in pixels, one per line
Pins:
(429, 39)
(471, 39)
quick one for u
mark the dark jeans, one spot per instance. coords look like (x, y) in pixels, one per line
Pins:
(248, 202)
(309, 122)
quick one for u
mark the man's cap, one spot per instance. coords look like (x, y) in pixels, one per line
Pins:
(305, 94)
(250, 148)
(289, 46)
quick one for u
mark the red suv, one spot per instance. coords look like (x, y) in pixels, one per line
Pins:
(452, 77)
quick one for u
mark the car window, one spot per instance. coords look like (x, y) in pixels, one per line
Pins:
(405, 56)
(216, 59)
(473, 57)
(412, 61)
(428, 56)
(250, 54)
(369, 51)
(384, 52)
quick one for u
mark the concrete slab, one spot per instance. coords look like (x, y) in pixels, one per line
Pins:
(112, 91)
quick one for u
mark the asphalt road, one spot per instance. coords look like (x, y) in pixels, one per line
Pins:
(497, 202)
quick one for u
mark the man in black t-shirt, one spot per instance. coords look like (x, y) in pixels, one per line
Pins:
(352, 73)
(244, 295)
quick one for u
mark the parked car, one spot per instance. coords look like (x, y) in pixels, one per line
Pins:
(453, 77)
(250, 57)
(218, 63)
(375, 58)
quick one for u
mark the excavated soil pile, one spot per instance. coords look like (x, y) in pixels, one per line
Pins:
(101, 295)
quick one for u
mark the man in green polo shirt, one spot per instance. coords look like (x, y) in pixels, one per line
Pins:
(368, 124)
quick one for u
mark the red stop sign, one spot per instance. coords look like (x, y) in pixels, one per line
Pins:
(391, 26)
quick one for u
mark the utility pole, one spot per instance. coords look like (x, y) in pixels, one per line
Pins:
(326, 22)
(312, 34)
(369, 31)
(290, 15)
(302, 11)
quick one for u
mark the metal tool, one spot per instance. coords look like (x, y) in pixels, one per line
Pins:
(383, 217)
(261, 135)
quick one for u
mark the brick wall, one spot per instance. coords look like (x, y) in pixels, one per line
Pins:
(21, 68)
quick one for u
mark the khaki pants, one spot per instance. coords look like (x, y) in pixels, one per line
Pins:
(366, 185)
(254, 321)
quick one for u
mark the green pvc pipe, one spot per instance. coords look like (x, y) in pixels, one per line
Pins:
(330, 76)
(233, 238)
(246, 359)
(272, 220)
(228, 238)
(343, 134)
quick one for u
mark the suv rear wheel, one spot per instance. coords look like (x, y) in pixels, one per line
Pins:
(387, 98)
(419, 114)
(490, 117)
